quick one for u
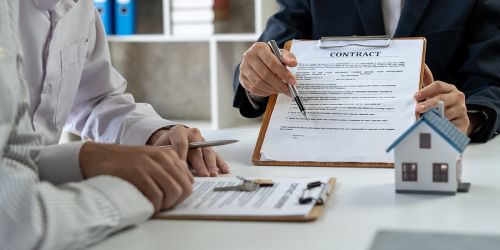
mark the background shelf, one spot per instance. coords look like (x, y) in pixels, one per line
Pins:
(189, 78)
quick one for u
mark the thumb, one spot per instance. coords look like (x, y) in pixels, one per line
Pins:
(289, 58)
(428, 77)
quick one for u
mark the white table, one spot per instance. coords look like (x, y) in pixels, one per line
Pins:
(364, 201)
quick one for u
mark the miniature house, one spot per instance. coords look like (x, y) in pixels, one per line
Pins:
(428, 156)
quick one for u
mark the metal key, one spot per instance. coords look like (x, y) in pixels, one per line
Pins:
(246, 186)
(260, 182)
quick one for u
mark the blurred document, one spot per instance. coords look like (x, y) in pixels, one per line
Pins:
(358, 100)
(282, 199)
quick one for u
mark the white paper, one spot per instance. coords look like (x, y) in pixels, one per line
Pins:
(279, 200)
(358, 100)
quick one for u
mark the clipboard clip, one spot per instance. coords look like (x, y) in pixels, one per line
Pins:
(323, 194)
(361, 41)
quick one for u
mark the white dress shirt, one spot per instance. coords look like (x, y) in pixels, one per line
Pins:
(391, 9)
(36, 214)
(72, 85)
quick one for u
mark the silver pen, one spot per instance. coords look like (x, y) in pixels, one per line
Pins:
(203, 144)
(295, 94)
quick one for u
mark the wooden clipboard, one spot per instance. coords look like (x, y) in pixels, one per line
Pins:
(313, 214)
(256, 157)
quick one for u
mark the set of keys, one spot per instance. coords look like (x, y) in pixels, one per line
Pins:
(246, 185)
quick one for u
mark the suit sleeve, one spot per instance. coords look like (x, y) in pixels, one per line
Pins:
(293, 21)
(102, 111)
(481, 69)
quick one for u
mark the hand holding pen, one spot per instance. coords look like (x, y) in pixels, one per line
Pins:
(263, 74)
(295, 94)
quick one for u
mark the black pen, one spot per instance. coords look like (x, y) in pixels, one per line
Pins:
(295, 94)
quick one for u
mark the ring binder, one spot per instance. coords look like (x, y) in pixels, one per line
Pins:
(354, 41)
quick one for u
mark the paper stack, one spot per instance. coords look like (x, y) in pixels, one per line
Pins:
(193, 17)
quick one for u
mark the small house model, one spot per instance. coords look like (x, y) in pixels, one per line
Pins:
(428, 156)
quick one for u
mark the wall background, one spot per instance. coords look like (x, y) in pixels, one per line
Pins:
(174, 77)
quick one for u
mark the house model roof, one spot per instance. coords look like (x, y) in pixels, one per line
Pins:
(442, 126)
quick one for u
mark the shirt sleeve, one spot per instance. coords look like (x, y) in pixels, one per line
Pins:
(59, 164)
(102, 111)
(39, 215)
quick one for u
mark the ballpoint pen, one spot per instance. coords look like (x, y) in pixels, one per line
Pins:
(203, 144)
(295, 94)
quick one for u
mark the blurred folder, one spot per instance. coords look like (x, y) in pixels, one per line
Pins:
(105, 9)
(125, 17)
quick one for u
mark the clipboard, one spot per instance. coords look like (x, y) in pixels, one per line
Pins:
(350, 41)
(315, 212)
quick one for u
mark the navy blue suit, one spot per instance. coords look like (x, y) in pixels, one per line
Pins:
(463, 42)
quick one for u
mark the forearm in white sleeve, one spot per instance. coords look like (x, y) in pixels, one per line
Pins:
(102, 111)
(39, 215)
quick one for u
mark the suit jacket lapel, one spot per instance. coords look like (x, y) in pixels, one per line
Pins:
(410, 16)
(370, 13)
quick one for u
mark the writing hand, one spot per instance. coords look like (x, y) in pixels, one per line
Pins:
(262, 74)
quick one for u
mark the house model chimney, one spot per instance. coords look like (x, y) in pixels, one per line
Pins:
(440, 108)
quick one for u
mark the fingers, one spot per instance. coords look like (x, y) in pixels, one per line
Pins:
(150, 189)
(274, 65)
(248, 85)
(289, 58)
(195, 156)
(261, 72)
(171, 175)
(451, 99)
(428, 77)
(455, 112)
(210, 161)
(180, 141)
(434, 89)
(268, 74)
(170, 188)
(462, 124)
(256, 82)
(223, 167)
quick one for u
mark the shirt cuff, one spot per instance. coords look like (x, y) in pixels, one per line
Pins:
(255, 101)
(138, 132)
(133, 206)
(59, 164)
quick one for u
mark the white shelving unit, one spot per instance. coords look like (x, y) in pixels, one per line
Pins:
(222, 62)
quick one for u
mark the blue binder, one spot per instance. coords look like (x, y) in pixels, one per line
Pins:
(105, 9)
(125, 17)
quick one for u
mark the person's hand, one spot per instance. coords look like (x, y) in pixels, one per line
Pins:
(157, 172)
(204, 161)
(454, 100)
(262, 74)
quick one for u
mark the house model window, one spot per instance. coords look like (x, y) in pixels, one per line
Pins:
(425, 140)
(440, 172)
(409, 171)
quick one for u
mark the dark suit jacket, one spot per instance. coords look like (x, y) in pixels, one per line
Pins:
(463, 42)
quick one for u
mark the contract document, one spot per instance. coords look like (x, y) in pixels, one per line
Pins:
(280, 200)
(358, 100)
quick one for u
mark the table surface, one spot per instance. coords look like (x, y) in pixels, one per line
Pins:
(364, 201)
